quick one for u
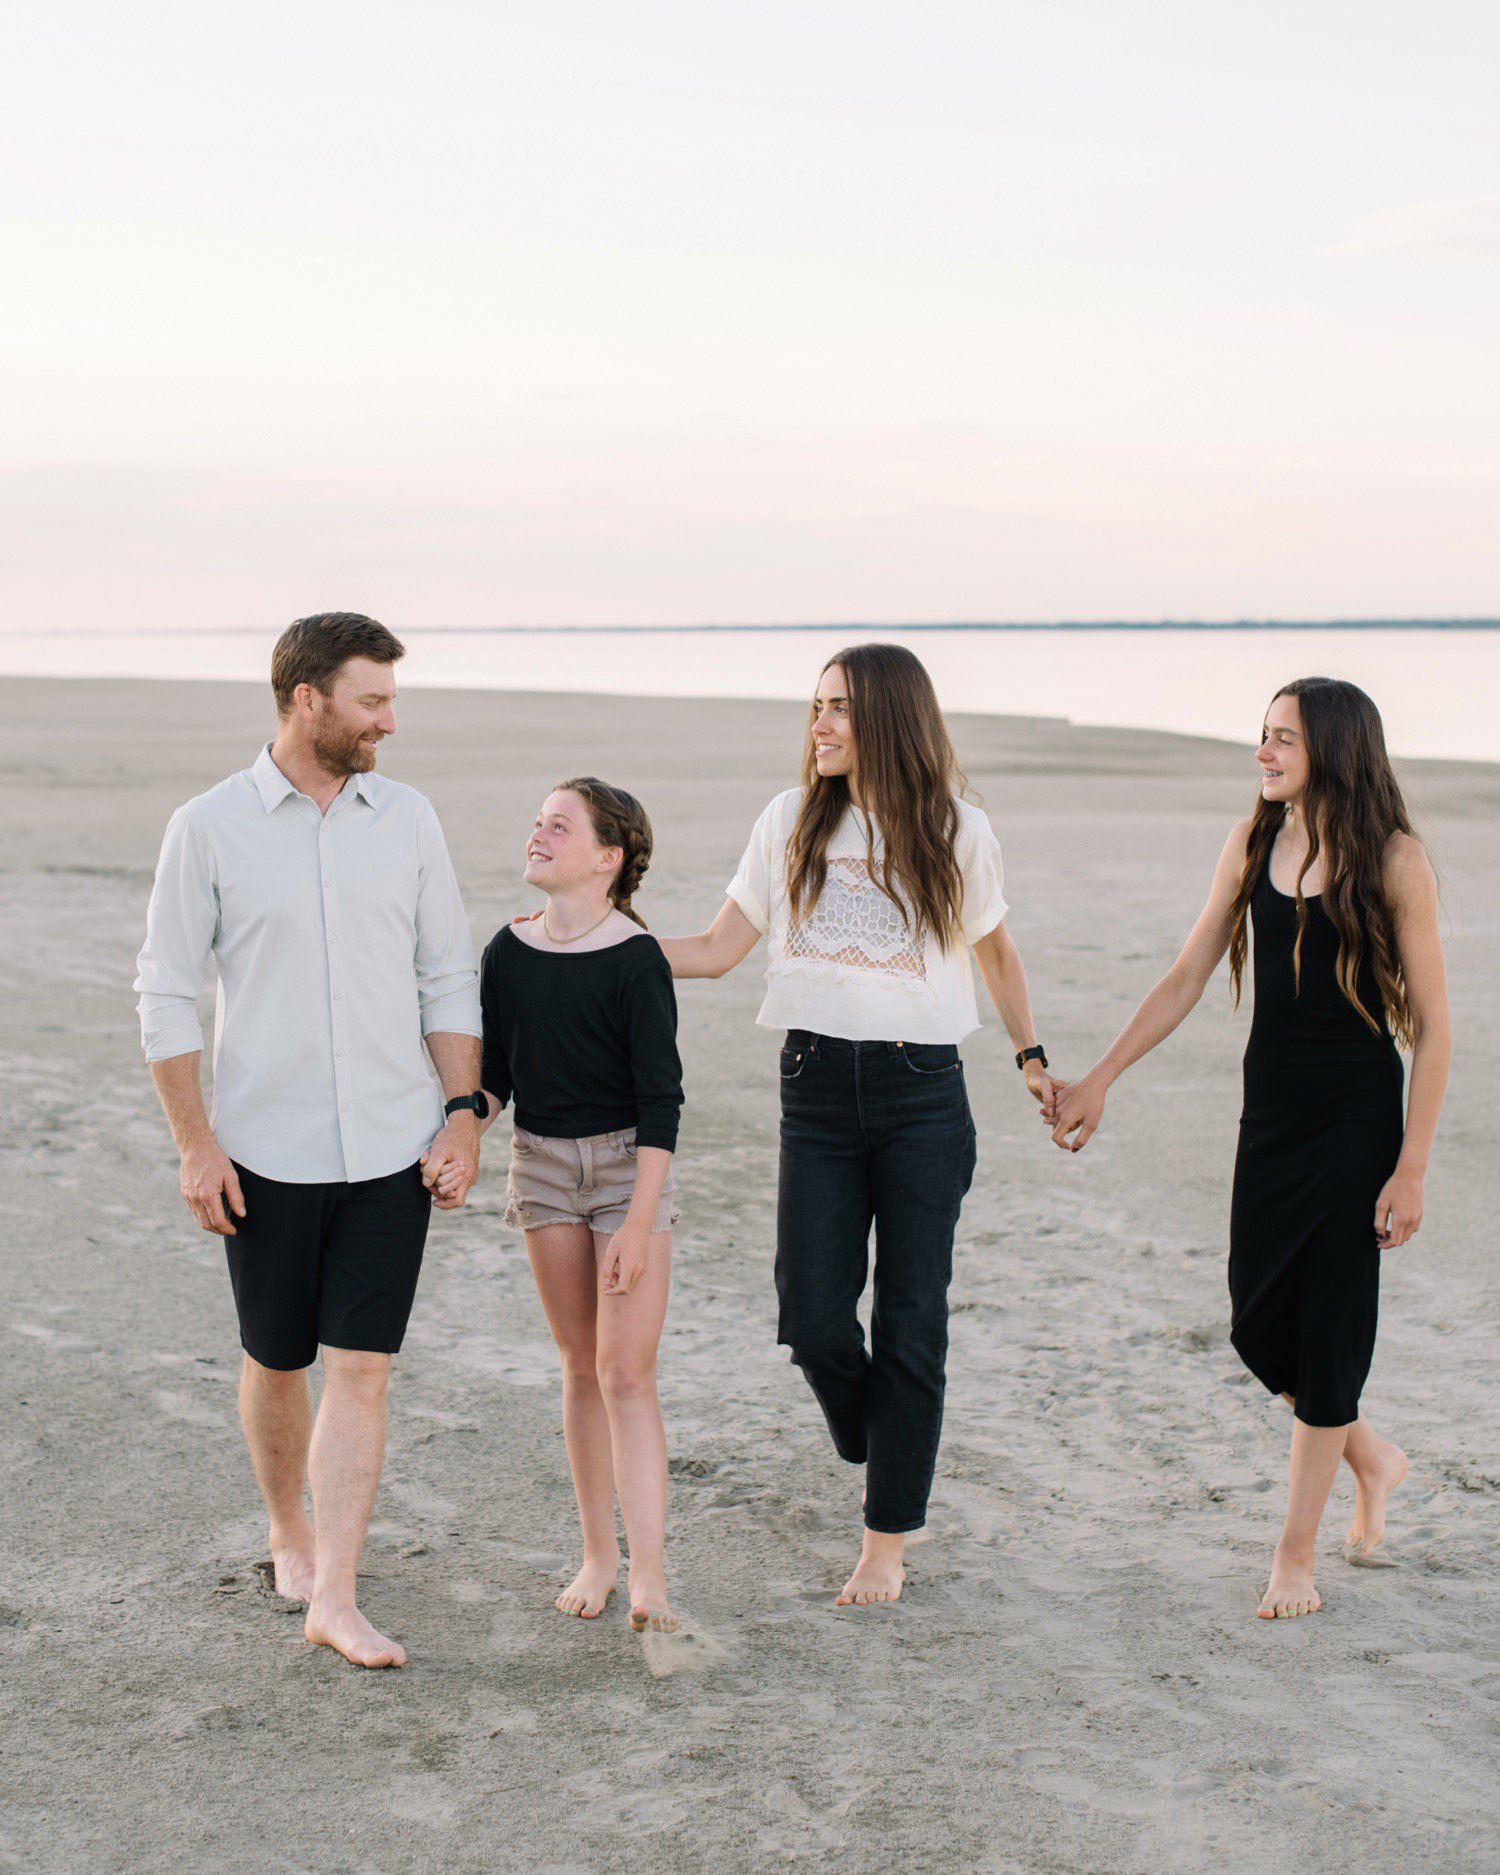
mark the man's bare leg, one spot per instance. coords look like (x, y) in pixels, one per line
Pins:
(1378, 1467)
(344, 1461)
(1317, 1452)
(276, 1413)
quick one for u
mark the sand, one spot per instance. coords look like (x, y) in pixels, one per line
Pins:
(1075, 1683)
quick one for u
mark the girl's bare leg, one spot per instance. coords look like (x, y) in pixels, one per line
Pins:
(565, 1266)
(629, 1329)
(1378, 1467)
(1316, 1455)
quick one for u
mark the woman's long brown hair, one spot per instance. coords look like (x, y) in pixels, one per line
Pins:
(1351, 806)
(908, 775)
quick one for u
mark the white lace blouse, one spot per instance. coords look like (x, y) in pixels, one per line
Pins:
(851, 966)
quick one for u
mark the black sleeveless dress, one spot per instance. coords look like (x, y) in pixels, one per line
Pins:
(1320, 1135)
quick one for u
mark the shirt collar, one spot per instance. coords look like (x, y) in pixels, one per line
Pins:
(273, 787)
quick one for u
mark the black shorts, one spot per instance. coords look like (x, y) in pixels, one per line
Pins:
(326, 1265)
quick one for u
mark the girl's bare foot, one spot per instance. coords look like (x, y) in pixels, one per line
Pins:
(1373, 1485)
(586, 1595)
(878, 1576)
(1292, 1591)
(347, 1632)
(649, 1607)
(294, 1573)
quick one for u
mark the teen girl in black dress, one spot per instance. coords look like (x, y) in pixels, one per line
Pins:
(1332, 899)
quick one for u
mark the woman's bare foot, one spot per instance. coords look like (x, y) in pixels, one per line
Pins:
(347, 1632)
(1373, 1485)
(649, 1607)
(878, 1576)
(294, 1573)
(1292, 1591)
(590, 1589)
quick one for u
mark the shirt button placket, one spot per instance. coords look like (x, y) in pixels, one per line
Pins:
(336, 1011)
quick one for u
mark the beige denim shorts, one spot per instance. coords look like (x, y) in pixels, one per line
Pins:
(577, 1181)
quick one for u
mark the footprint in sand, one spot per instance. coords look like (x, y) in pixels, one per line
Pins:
(686, 1650)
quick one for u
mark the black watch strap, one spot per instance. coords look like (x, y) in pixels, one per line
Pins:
(471, 1103)
(1032, 1054)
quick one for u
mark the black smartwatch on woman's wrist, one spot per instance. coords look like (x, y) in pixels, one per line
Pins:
(471, 1103)
(1031, 1054)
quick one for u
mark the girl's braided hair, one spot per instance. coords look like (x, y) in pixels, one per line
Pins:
(618, 819)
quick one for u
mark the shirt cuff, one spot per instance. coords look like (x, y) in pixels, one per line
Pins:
(992, 915)
(169, 1029)
(452, 1011)
(749, 904)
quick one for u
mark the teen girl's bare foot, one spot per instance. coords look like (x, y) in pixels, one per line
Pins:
(586, 1595)
(1373, 1485)
(649, 1607)
(1292, 1591)
(878, 1576)
(293, 1573)
(347, 1632)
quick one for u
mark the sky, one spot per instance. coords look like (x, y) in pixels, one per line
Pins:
(675, 313)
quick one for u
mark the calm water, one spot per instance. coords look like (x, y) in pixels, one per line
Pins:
(1436, 689)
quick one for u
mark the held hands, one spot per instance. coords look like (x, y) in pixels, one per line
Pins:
(1074, 1110)
(211, 1187)
(450, 1164)
(624, 1259)
(1398, 1210)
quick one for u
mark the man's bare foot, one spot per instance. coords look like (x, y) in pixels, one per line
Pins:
(347, 1632)
(1372, 1488)
(649, 1607)
(1292, 1592)
(878, 1576)
(294, 1572)
(589, 1590)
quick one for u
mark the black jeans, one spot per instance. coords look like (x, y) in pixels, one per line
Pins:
(873, 1132)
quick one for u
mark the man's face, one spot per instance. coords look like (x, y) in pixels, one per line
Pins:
(358, 712)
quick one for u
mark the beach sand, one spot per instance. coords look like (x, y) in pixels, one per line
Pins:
(1075, 1683)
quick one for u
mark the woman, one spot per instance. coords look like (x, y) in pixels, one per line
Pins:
(872, 880)
(580, 1026)
(1347, 963)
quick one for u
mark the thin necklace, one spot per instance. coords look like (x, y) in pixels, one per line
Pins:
(576, 935)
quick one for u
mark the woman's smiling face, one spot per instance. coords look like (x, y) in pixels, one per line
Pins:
(832, 727)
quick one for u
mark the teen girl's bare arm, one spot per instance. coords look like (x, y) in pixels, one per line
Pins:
(1005, 978)
(714, 952)
(1079, 1108)
(1413, 894)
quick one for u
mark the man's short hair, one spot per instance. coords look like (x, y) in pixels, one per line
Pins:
(313, 650)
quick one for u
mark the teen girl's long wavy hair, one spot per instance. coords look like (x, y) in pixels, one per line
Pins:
(618, 819)
(908, 776)
(1351, 806)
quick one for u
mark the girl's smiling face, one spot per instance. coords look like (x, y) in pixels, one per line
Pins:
(832, 729)
(563, 852)
(1284, 764)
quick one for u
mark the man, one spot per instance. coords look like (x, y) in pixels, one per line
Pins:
(327, 897)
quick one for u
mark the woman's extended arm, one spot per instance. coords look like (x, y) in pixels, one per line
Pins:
(1413, 894)
(1080, 1107)
(714, 952)
(1005, 978)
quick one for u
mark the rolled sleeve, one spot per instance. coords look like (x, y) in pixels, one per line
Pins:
(978, 854)
(446, 969)
(182, 922)
(753, 886)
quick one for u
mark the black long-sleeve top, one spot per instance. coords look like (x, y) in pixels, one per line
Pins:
(584, 1041)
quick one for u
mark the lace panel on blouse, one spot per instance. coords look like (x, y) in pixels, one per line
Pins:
(856, 925)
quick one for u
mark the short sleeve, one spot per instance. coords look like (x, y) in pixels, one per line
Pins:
(978, 854)
(753, 887)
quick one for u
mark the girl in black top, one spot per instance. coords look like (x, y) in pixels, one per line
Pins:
(1330, 898)
(580, 1029)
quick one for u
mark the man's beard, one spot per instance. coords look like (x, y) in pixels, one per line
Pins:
(340, 752)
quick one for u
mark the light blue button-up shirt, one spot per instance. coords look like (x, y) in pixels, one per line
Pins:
(340, 940)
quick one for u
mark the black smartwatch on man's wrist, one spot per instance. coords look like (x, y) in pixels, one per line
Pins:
(471, 1103)
(1031, 1054)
